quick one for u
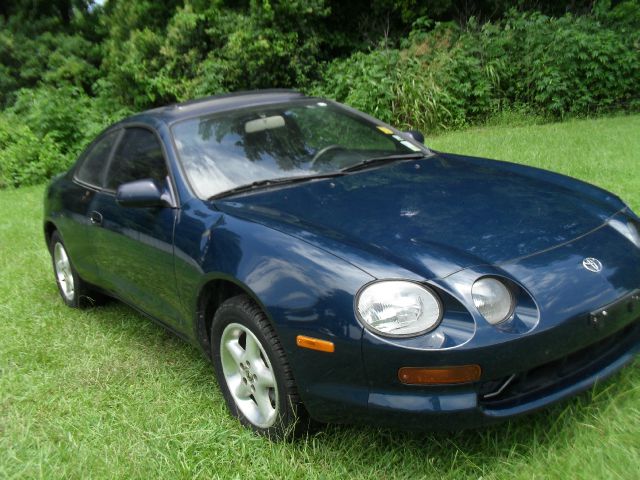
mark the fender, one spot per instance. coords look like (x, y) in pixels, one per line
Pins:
(302, 289)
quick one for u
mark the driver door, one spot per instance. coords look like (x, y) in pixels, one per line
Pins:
(134, 245)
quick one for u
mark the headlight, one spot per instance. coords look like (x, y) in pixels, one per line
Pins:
(629, 229)
(398, 308)
(492, 299)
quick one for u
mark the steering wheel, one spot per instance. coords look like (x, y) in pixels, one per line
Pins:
(324, 150)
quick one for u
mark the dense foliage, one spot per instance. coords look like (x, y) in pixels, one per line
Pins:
(526, 62)
(70, 67)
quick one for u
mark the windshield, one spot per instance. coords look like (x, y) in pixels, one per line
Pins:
(305, 138)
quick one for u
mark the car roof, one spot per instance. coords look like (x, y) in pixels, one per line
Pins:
(202, 106)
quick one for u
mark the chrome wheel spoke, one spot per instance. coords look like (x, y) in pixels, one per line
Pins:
(252, 349)
(265, 376)
(235, 350)
(263, 402)
(242, 391)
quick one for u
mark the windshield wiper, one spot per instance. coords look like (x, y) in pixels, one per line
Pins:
(259, 184)
(370, 162)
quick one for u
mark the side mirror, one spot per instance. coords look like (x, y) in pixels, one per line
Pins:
(141, 193)
(416, 135)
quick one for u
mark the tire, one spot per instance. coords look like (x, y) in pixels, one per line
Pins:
(75, 292)
(253, 372)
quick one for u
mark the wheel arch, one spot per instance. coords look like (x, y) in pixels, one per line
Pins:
(49, 228)
(213, 292)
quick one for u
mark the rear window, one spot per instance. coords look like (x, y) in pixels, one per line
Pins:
(92, 167)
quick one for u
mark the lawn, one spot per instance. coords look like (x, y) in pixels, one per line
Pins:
(105, 393)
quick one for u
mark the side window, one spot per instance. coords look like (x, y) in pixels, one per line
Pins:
(92, 167)
(138, 156)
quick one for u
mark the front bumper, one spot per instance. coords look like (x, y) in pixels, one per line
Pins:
(521, 390)
(529, 376)
(520, 393)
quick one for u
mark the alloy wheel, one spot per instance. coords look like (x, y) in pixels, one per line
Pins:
(249, 375)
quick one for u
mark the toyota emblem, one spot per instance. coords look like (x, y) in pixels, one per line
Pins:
(592, 264)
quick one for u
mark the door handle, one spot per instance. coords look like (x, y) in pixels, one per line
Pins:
(95, 218)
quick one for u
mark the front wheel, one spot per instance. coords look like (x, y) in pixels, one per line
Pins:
(253, 372)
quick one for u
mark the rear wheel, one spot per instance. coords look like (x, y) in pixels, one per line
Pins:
(74, 291)
(253, 372)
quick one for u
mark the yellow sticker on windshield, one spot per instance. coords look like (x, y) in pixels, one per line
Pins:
(384, 130)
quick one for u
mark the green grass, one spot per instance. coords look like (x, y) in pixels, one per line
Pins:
(105, 393)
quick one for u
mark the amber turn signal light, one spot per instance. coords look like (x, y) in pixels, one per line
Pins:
(315, 344)
(439, 375)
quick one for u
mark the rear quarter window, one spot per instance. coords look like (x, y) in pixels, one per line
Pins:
(92, 166)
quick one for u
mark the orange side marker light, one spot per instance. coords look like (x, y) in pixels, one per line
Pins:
(439, 375)
(315, 344)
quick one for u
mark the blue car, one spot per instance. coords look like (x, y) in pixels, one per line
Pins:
(334, 269)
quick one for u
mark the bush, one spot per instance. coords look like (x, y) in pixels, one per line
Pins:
(568, 65)
(45, 130)
(26, 158)
(365, 81)
(528, 62)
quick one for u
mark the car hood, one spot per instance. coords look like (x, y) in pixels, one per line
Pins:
(433, 216)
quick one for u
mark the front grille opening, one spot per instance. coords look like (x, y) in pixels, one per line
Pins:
(523, 387)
